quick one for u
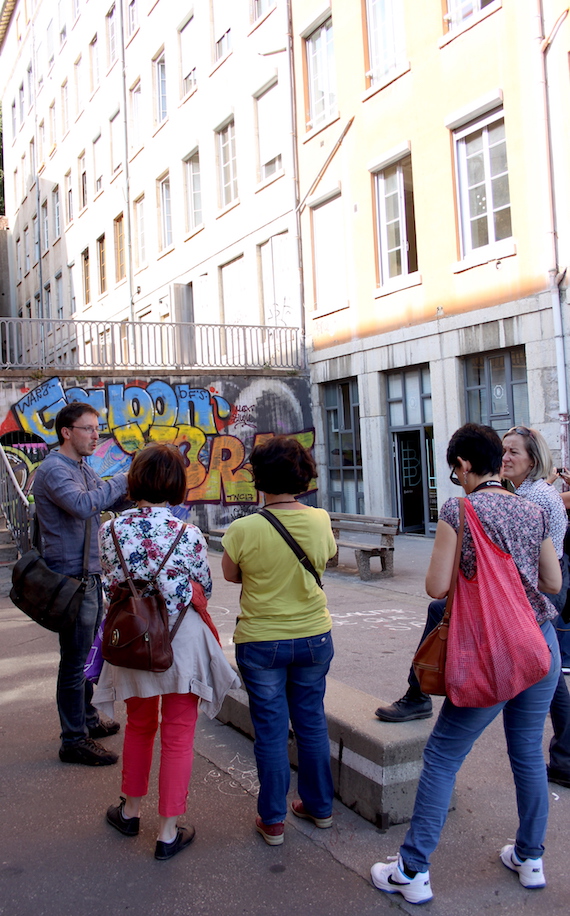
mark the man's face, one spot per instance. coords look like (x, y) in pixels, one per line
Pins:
(83, 437)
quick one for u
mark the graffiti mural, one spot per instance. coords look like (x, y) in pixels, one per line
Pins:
(215, 434)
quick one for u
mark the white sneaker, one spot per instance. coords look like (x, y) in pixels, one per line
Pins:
(391, 878)
(530, 871)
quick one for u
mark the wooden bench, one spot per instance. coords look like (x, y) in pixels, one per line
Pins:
(369, 536)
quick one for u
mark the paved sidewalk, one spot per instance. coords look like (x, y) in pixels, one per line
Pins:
(59, 857)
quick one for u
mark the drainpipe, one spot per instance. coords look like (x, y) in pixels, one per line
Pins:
(128, 233)
(295, 156)
(556, 276)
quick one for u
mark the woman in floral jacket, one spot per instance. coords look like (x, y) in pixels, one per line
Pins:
(200, 670)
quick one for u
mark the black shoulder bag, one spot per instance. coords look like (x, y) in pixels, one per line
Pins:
(290, 540)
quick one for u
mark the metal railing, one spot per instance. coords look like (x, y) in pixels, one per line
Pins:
(47, 343)
(14, 504)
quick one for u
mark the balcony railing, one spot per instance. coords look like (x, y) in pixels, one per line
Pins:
(14, 505)
(42, 343)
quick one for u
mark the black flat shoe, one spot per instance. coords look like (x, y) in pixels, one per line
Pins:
(128, 826)
(184, 837)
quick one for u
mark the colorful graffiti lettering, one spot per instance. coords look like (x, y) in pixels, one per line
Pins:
(199, 421)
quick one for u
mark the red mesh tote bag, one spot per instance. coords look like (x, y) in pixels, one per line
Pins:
(496, 648)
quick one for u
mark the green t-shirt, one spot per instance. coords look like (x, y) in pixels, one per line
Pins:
(279, 598)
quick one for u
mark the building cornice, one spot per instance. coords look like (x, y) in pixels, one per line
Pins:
(5, 16)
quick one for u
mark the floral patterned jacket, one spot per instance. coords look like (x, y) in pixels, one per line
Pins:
(145, 536)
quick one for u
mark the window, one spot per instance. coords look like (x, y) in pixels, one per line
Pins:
(193, 191)
(116, 143)
(78, 77)
(75, 5)
(64, 107)
(188, 54)
(496, 389)
(136, 114)
(82, 171)
(320, 75)
(41, 140)
(329, 253)
(23, 173)
(222, 30)
(132, 17)
(97, 164)
(14, 122)
(26, 249)
(396, 220)
(111, 20)
(36, 237)
(481, 152)
(276, 280)
(30, 83)
(52, 126)
(385, 38)
(165, 212)
(45, 226)
(47, 300)
(227, 164)
(235, 300)
(56, 212)
(71, 288)
(37, 305)
(260, 7)
(93, 64)
(59, 296)
(102, 264)
(32, 161)
(19, 260)
(460, 10)
(120, 268)
(160, 88)
(344, 450)
(61, 8)
(269, 134)
(39, 65)
(21, 102)
(68, 197)
(86, 277)
(49, 43)
(140, 251)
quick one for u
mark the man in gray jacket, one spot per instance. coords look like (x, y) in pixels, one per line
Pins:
(67, 492)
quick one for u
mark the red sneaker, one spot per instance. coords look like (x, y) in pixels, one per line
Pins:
(273, 834)
(298, 809)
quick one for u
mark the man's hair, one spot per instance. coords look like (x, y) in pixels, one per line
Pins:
(479, 445)
(282, 465)
(158, 474)
(537, 450)
(69, 414)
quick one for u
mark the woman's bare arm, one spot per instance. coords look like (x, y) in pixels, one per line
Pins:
(438, 577)
(549, 574)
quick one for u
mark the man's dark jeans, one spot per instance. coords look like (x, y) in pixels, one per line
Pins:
(74, 692)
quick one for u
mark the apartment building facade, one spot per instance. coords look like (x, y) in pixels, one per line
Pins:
(432, 145)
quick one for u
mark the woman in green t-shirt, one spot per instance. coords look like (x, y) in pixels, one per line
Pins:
(283, 640)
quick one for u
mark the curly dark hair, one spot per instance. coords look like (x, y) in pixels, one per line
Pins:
(158, 474)
(282, 465)
(478, 444)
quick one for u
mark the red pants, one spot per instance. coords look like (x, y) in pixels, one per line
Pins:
(179, 714)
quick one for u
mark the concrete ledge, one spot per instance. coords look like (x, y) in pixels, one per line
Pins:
(375, 765)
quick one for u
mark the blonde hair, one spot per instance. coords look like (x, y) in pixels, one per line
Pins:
(537, 449)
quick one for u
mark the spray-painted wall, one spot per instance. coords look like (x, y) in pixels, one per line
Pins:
(215, 422)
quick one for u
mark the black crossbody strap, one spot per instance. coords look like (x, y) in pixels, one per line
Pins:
(297, 550)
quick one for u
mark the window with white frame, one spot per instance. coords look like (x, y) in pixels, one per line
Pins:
(484, 198)
(102, 264)
(193, 191)
(329, 256)
(97, 164)
(222, 16)
(64, 107)
(30, 83)
(385, 24)
(235, 299)
(26, 249)
(41, 140)
(56, 212)
(21, 102)
(93, 64)
(398, 253)
(71, 287)
(275, 262)
(19, 260)
(269, 132)
(140, 249)
(61, 9)
(75, 7)
(82, 175)
(227, 164)
(45, 226)
(23, 174)
(261, 7)
(49, 43)
(59, 296)
(14, 122)
(78, 77)
(36, 238)
(47, 300)
(160, 88)
(188, 54)
(39, 65)
(132, 17)
(119, 234)
(32, 160)
(111, 24)
(165, 212)
(52, 125)
(116, 142)
(458, 11)
(68, 197)
(321, 75)
(86, 272)
(135, 116)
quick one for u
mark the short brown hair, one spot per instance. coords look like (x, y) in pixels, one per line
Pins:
(69, 414)
(158, 474)
(282, 465)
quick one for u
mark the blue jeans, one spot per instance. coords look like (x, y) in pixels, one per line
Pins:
(285, 679)
(563, 633)
(76, 712)
(453, 736)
